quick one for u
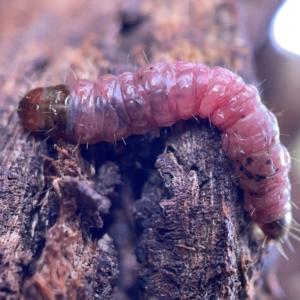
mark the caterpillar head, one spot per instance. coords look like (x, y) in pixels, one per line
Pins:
(44, 109)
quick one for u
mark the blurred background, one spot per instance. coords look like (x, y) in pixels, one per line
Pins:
(278, 66)
(272, 29)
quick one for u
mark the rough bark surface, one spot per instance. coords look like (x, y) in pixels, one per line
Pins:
(157, 218)
(193, 246)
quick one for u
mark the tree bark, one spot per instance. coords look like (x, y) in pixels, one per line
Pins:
(71, 218)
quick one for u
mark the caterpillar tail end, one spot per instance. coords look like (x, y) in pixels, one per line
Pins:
(278, 229)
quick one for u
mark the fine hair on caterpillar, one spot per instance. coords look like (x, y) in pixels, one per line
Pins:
(159, 94)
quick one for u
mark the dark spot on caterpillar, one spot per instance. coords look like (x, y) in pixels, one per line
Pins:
(246, 172)
(259, 178)
(249, 161)
(158, 95)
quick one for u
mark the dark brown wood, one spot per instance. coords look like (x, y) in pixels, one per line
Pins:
(157, 218)
(189, 248)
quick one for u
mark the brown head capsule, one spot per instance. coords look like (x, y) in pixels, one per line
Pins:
(44, 109)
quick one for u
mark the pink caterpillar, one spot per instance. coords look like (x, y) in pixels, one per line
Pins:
(160, 94)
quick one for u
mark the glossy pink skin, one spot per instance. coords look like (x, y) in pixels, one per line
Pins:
(160, 94)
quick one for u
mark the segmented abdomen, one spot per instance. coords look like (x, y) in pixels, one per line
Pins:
(159, 94)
